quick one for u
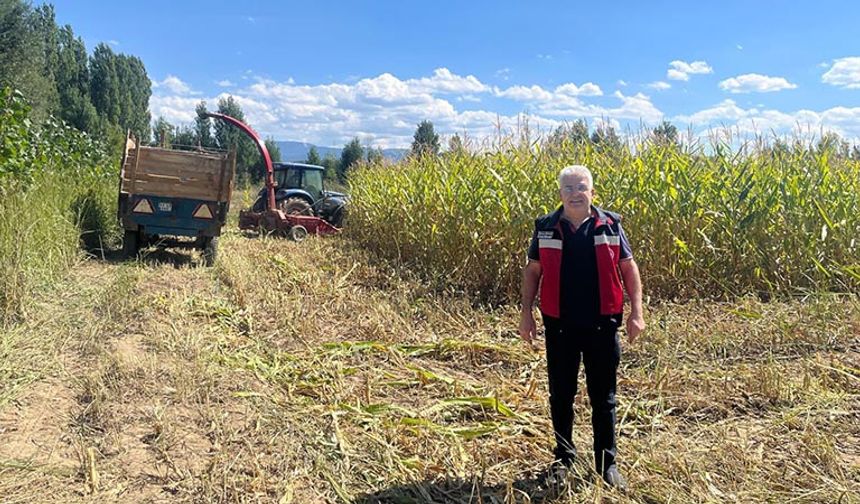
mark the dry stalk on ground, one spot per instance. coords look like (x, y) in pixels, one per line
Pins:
(303, 373)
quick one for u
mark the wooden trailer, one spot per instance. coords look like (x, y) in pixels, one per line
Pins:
(166, 194)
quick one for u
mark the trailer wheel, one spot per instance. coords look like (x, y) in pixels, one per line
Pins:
(297, 233)
(210, 251)
(130, 244)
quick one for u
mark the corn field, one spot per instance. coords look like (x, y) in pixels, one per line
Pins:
(715, 221)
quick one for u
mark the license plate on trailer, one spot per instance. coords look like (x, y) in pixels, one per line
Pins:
(165, 206)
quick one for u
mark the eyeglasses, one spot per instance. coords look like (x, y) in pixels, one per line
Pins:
(569, 189)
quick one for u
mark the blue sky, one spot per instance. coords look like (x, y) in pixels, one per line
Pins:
(324, 72)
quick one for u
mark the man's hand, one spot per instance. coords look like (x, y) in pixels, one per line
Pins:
(531, 279)
(635, 326)
(528, 328)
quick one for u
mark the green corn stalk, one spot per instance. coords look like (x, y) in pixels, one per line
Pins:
(755, 218)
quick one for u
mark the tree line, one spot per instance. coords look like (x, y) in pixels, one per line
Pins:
(103, 94)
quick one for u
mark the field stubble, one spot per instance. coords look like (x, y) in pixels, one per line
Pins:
(308, 373)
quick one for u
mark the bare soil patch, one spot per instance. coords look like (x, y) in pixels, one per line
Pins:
(34, 427)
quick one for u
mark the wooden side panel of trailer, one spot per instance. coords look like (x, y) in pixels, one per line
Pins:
(178, 174)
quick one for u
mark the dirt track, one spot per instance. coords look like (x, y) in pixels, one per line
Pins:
(112, 383)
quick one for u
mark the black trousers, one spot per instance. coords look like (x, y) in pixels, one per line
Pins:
(599, 349)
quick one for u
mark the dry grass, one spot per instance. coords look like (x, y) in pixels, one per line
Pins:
(305, 373)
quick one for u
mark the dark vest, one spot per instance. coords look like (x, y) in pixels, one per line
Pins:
(607, 248)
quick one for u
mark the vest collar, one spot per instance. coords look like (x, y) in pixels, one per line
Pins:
(601, 218)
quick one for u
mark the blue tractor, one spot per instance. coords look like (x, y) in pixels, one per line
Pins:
(299, 190)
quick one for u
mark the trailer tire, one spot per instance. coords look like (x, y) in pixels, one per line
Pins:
(130, 244)
(297, 233)
(210, 251)
(295, 206)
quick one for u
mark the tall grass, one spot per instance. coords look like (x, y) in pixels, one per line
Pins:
(712, 221)
(57, 194)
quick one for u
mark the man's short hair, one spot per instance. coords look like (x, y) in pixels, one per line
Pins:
(580, 170)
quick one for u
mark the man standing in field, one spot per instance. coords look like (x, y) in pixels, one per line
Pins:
(579, 256)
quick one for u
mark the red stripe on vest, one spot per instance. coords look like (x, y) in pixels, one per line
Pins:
(550, 286)
(609, 279)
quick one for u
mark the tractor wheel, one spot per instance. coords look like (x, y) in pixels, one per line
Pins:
(337, 217)
(297, 233)
(210, 251)
(130, 244)
(295, 206)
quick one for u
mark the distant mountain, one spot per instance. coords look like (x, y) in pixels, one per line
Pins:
(298, 151)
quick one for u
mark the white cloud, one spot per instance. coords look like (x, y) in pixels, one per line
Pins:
(587, 89)
(545, 56)
(637, 108)
(659, 85)
(696, 67)
(388, 89)
(523, 93)
(469, 98)
(385, 109)
(175, 85)
(727, 110)
(677, 75)
(536, 93)
(113, 42)
(845, 73)
(226, 83)
(681, 70)
(622, 82)
(503, 73)
(755, 83)
(444, 81)
(739, 47)
(754, 121)
(175, 109)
